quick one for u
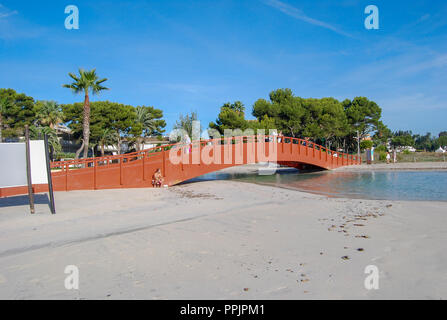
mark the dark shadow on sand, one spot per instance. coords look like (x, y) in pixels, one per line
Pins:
(23, 200)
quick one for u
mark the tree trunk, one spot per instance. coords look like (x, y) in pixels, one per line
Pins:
(291, 132)
(86, 123)
(102, 150)
(119, 144)
(78, 152)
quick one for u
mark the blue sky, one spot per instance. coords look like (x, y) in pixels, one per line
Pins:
(184, 56)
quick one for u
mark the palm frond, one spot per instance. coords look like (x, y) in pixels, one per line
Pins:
(101, 81)
(86, 81)
(73, 76)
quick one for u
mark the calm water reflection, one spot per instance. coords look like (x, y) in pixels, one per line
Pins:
(392, 185)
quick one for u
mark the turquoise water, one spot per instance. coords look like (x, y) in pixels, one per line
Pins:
(390, 185)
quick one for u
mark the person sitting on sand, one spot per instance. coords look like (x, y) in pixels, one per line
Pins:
(157, 179)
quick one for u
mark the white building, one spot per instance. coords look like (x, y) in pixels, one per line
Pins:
(149, 142)
(408, 148)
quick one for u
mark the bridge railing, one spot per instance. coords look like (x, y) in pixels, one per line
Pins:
(338, 158)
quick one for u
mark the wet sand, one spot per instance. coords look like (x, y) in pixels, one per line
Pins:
(221, 240)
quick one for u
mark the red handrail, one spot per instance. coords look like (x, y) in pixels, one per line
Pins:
(145, 153)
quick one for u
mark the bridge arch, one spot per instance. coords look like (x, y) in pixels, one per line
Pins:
(135, 170)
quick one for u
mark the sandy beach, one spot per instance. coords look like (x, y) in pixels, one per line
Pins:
(130, 112)
(221, 240)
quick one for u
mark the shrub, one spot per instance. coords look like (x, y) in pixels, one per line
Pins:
(382, 156)
(366, 144)
(380, 148)
(64, 155)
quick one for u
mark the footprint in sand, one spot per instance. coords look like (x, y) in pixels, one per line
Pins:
(279, 290)
(377, 259)
(362, 236)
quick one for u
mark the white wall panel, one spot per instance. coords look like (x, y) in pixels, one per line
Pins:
(13, 164)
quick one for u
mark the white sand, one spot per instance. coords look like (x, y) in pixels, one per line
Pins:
(212, 240)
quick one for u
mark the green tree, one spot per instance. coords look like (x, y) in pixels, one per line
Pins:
(366, 144)
(441, 142)
(363, 116)
(84, 83)
(122, 119)
(49, 113)
(18, 111)
(117, 117)
(319, 119)
(402, 139)
(333, 121)
(106, 137)
(231, 116)
(151, 123)
(424, 142)
(185, 124)
(53, 139)
(383, 134)
(73, 115)
(287, 111)
(266, 123)
(4, 105)
(324, 120)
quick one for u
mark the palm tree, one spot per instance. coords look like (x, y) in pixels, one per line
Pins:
(53, 139)
(85, 82)
(185, 125)
(148, 123)
(49, 114)
(107, 137)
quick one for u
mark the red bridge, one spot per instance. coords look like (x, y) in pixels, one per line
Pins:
(179, 162)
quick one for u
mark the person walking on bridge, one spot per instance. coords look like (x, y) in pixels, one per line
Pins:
(187, 142)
